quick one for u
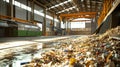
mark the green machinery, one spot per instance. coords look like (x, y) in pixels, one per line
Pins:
(14, 29)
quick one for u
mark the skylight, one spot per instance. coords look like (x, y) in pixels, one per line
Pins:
(66, 9)
(82, 0)
(60, 4)
(17, 4)
(6, 1)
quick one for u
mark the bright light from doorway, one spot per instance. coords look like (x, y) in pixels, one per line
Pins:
(77, 24)
(40, 25)
(82, 19)
(6, 1)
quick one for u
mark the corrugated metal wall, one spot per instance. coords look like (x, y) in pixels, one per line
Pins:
(36, 16)
(19, 12)
(116, 17)
(87, 25)
(48, 21)
(57, 24)
(28, 12)
(78, 31)
(2, 32)
(3, 7)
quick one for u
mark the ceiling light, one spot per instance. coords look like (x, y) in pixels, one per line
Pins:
(60, 4)
(82, 0)
(66, 9)
(69, 0)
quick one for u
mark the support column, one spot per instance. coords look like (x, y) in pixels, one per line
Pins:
(53, 32)
(44, 24)
(59, 24)
(53, 20)
(91, 26)
(32, 11)
(70, 28)
(10, 8)
(67, 27)
(12, 14)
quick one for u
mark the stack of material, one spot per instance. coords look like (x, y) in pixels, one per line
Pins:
(92, 51)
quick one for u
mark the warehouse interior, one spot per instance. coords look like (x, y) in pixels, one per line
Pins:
(59, 33)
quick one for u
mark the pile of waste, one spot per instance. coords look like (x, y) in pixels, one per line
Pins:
(91, 51)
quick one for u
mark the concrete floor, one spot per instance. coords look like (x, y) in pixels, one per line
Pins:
(14, 46)
(9, 39)
(7, 42)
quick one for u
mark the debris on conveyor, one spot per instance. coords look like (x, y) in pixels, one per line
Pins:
(92, 51)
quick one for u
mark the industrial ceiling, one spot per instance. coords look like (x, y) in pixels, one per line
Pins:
(73, 6)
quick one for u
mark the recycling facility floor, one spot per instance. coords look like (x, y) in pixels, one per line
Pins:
(64, 51)
(19, 44)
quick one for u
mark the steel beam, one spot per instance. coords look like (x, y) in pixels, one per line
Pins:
(78, 14)
(32, 11)
(39, 3)
(42, 5)
(53, 21)
(107, 9)
(44, 24)
(79, 17)
(11, 6)
(79, 20)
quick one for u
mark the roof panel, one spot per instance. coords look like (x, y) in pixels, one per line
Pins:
(82, 5)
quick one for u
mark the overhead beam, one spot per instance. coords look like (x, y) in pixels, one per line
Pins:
(57, 7)
(80, 20)
(32, 10)
(2, 17)
(78, 14)
(75, 2)
(67, 9)
(35, 1)
(44, 24)
(39, 3)
(91, 16)
(49, 3)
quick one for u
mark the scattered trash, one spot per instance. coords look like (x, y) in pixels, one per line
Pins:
(91, 51)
